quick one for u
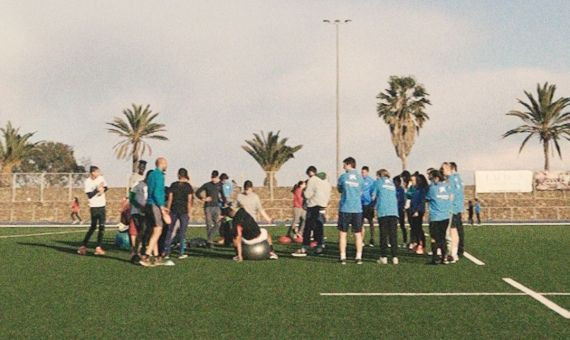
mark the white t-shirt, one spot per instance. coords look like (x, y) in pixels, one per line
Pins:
(251, 203)
(135, 179)
(91, 185)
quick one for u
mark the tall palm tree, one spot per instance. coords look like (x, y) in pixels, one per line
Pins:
(270, 153)
(15, 148)
(137, 125)
(543, 118)
(402, 106)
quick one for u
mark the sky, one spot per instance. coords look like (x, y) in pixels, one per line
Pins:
(218, 71)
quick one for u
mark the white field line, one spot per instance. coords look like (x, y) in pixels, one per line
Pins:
(539, 297)
(41, 234)
(473, 259)
(441, 294)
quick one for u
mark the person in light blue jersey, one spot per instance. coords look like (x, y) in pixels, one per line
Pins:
(439, 198)
(387, 209)
(367, 203)
(350, 186)
(457, 208)
(227, 188)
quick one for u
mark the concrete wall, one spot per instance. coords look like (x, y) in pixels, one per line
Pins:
(504, 207)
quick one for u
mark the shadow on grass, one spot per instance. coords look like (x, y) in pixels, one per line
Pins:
(70, 248)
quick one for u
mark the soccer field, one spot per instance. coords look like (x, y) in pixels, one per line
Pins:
(49, 291)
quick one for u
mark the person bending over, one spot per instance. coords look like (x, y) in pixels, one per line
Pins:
(246, 231)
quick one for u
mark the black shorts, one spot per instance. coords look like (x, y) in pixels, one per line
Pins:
(346, 220)
(456, 221)
(154, 216)
(368, 212)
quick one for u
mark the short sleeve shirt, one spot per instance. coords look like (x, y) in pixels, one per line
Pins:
(180, 192)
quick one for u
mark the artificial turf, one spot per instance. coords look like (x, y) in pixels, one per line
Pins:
(49, 291)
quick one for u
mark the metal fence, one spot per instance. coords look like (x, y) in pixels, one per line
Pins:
(40, 187)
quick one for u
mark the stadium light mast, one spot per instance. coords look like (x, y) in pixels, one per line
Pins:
(337, 23)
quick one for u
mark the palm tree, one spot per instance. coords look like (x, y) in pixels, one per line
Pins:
(544, 119)
(137, 125)
(402, 106)
(15, 148)
(270, 153)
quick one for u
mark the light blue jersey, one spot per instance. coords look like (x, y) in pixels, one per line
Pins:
(439, 198)
(227, 189)
(367, 190)
(458, 190)
(386, 200)
(350, 186)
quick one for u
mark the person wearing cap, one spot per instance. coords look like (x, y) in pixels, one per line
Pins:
(180, 205)
(211, 194)
(95, 188)
(138, 175)
(317, 195)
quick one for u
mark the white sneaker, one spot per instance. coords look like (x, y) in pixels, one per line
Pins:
(383, 260)
(299, 253)
(455, 259)
(395, 260)
(182, 257)
(273, 256)
(430, 253)
(168, 263)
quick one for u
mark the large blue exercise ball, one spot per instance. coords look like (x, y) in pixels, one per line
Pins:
(122, 241)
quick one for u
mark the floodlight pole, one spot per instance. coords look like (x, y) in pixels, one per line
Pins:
(337, 23)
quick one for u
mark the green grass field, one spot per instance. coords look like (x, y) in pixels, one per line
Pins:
(49, 291)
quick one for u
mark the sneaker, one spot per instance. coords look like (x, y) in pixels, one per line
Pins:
(444, 261)
(430, 253)
(371, 244)
(82, 250)
(237, 259)
(99, 251)
(454, 259)
(395, 260)
(318, 251)
(168, 263)
(146, 263)
(359, 261)
(182, 257)
(382, 260)
(300, 253)
(167, 257)
(342, 261)
(273, 256)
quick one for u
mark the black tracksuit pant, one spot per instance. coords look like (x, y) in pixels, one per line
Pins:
(437, 230)
(388, 231)
(97, 218)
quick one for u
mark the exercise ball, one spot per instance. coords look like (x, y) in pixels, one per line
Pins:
(122, 241)
(258, 251)
(284, 240)
(299, 239)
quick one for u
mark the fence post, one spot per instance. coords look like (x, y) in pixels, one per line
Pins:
(42, 179)
(70, 192)
(13, 189)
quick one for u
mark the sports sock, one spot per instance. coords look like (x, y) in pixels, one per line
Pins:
(359, 255)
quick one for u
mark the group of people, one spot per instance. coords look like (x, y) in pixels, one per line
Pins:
(158, 216)
(392, 201)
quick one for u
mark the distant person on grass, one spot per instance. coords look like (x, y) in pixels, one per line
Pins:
(156, 213)
(75, 209)
(299, 214)
(350, 186)
(401, 198)
(478, 210)
(180, 205)
(317, 195)
(246, 231)
(251, 202)
(95, 188)
(367, 203)
(211, 194)
(417, 210)
(470, 211)
(457, 209)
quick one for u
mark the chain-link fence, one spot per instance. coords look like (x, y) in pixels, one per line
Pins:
(40, 187)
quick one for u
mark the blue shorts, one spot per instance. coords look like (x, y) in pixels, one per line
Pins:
(347, 220)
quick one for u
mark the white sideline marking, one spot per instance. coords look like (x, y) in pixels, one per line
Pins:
(473, 259)
(40, 234)
(440, 294)
(539, 297)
